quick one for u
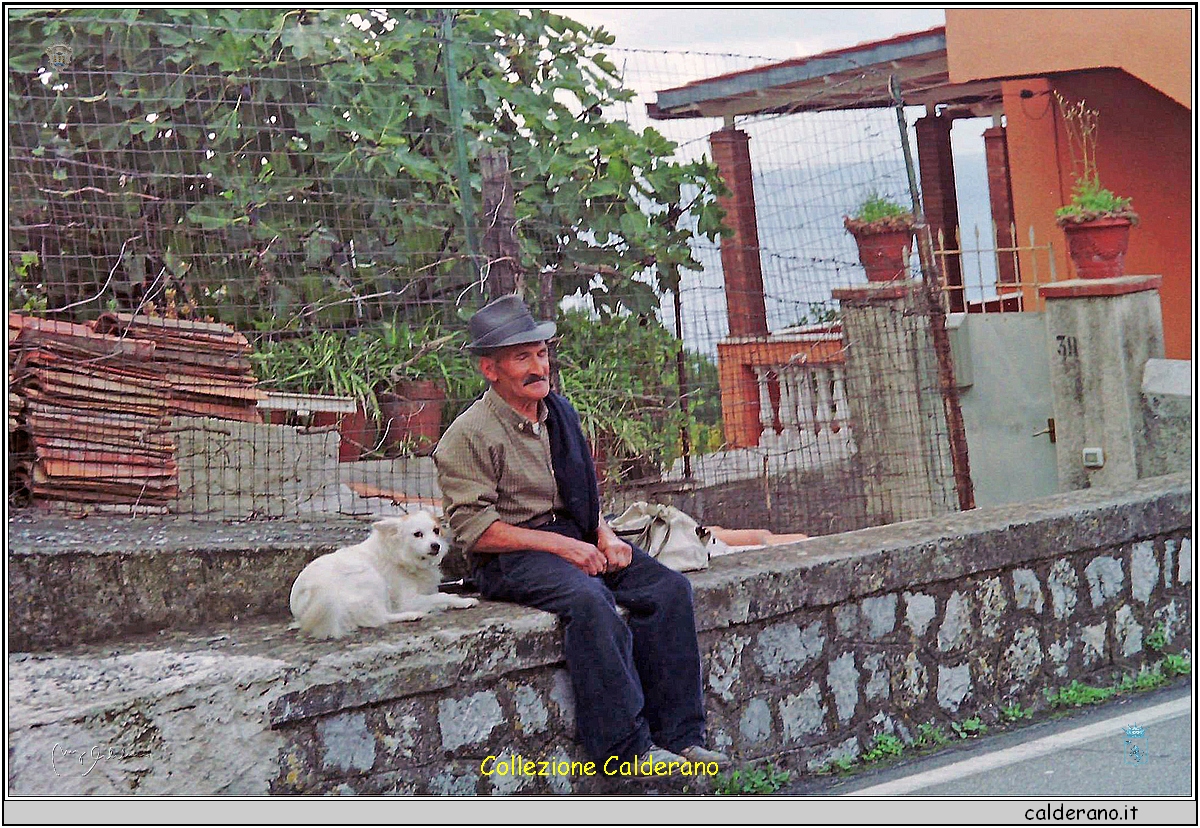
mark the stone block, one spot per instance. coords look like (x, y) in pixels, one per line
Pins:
(1063, 585)
(956, 623)
(1023, 658)
(878, 684)
(1185, 562)
(724, 666)
(1027, 591)
(562, 696)
(954, 684)
(846, 619)
(785, 649)
(1105, 579)
(920, 609)
(447, 783)
(1094, 647)
(992, 605)
(1143, 571)
(469, 721)
(880, 615)
(1127, 632)
(755, 723)
(803, 714)
(1170, 545)
(346, 744)
(1060, 654)
(848, 750)
(913, 681)
(532, 716)
(843, 683)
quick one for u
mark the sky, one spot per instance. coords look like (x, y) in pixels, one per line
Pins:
(773, 32)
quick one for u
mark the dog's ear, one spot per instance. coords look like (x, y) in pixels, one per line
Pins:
(386, 527)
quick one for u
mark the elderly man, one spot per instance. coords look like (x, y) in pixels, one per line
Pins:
(521, 497)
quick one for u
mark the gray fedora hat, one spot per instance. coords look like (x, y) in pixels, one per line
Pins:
(504, 322)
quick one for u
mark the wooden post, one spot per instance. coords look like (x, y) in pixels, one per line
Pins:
(503, 268)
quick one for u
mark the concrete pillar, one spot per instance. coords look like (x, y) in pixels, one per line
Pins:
(1101, 333)
(995, 150)
(891, 389)
(1167, 414)
(936, 166)
(739, 253)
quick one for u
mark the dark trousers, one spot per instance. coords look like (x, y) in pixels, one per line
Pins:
(635, 682)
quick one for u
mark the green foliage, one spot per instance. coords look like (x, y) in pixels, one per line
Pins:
(764, 780)
(1145, 679)
(930, 735)
(886, 746)
(876, 207)
(620, 373)
(366, 362)
(1089, 201)
(288, 169)
(968, 728)
(1077, 694)
(1156, 639)
(25, 293)
(1177, 664)
(842, 764)
(1015, 712)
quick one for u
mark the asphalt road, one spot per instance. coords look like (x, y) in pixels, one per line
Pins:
(1080, 755)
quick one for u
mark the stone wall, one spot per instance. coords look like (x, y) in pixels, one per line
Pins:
(810, 651)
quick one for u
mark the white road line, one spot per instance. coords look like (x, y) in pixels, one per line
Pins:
(1021, 753)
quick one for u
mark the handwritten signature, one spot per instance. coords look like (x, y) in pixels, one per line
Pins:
(72, 760)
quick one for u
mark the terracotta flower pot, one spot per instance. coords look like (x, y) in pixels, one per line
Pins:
(411, 416)
(1097, 247)
(883, 248)
(357, 434)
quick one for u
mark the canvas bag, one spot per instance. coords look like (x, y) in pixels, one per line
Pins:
(665, 533)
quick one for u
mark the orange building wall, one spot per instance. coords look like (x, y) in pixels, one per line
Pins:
(1145, 152)
(1151, 44)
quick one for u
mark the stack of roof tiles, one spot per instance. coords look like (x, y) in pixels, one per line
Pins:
(92, 418)
(207, 364)
(90, 404)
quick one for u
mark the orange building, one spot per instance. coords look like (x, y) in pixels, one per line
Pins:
(1134, 66)
(1131, 65)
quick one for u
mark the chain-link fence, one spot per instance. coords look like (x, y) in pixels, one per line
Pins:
(243, 246)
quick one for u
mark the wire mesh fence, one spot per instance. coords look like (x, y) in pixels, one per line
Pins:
(244, 244)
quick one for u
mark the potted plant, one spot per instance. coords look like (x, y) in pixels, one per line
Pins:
(398, 376)
(1096, 222)
(412, 400)
(884, 231)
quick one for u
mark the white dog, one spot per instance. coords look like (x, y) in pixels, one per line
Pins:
(391, 576)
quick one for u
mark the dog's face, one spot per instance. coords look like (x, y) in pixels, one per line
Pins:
(416, 540)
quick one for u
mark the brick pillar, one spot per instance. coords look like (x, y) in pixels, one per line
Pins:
(995, 148)
(744, 300)
(936, 166)
(739, 253)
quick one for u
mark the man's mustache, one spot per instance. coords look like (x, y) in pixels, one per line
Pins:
(532, 378)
